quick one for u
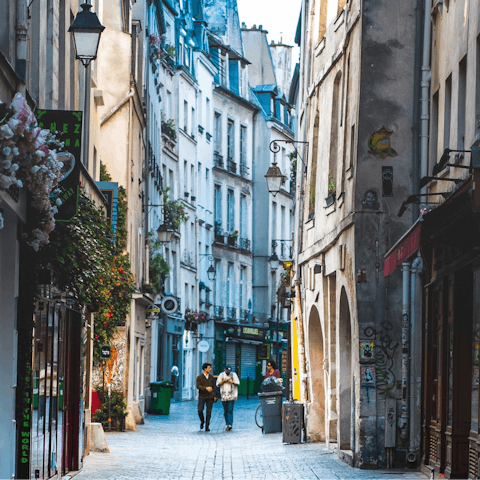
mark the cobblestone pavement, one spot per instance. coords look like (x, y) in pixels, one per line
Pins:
(172, 447)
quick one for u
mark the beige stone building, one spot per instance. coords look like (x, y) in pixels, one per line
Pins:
(355, 109)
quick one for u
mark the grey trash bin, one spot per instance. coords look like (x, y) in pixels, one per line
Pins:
(271, 411)
(292, 422)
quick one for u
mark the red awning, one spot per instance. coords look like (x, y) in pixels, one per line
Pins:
(403, 250)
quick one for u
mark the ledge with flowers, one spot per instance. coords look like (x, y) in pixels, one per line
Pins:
(194, 318)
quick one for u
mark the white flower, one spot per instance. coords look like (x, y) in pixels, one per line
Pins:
(54, 210)
(60, 164)
(7, 151)
(19, 184)
(56, 191)
(6, 164)
(15, 151)
(14, 167)
(1, 221)
(5, 132)
(58, 202)
(35, 169)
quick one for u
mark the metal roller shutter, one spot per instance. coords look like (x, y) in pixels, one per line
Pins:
(248, 359)
(230, 355)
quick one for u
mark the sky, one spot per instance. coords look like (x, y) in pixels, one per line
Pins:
(278, 17)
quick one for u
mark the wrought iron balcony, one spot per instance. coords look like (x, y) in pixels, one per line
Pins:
(244, 170)
(231, 165)
(244, 315)
(232, 313)
(244, 244)
(218, 160)
(218, 312)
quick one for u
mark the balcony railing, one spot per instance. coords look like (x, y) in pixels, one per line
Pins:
(231, 165)
(244, 244)
(218, 160)
(244, 315)
(218, 312)
(244, 170)
(231, 313)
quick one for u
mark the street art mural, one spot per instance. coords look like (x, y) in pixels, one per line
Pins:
(379, 143)
(370, 200)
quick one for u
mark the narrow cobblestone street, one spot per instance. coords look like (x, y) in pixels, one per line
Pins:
(173, 447)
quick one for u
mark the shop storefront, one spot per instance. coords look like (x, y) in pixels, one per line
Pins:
(242, 347)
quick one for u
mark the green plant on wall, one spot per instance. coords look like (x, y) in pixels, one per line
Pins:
(118, 407)
(159, 270)
(331, 183)
(93, 269)
(175, 211)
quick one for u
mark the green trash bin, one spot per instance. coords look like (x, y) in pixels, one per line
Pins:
(160, 397)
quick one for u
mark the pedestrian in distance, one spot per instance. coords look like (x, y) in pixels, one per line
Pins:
(272, 370)
(207, 395)
(228, 382)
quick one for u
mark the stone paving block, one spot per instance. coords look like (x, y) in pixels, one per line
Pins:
(172, 447)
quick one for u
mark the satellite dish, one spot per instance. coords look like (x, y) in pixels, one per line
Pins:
(169, 304)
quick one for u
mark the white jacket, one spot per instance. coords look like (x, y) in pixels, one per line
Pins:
(228, 391)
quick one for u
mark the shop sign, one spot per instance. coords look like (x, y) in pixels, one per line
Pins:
(68, 124)
(105, 352)
(175, 327)
(203, 346)
(250, 333)
(403, 252)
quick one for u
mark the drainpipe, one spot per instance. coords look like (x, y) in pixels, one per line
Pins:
(21, 31)
(426, 77)
(403, 419)
(416, 104)
(415, 360)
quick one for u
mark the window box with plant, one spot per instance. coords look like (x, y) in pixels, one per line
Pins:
(175, 211)
(195, 317)
(232, 238)
(168, 128)
(159, 50)
(219, 235)
(159, 268)
(330, 200)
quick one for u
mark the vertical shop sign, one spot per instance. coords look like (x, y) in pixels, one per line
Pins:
(24, 426)
(67, 127)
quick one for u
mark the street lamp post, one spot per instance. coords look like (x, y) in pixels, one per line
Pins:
(86, 31)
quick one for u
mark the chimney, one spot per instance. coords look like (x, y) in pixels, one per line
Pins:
(254, 27)
(244, 26)
(260, 27)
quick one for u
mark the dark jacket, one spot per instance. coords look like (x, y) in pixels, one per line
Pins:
(203, 383)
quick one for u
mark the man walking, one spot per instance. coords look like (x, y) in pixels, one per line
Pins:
(228, 382)
(206, 395)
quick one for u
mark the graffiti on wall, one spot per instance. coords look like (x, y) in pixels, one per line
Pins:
(379, 143)
(385, 349)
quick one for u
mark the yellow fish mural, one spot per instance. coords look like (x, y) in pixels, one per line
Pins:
(379, 143)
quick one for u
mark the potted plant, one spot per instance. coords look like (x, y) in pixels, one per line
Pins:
(232, 238)
(331, 190)
(168, 127)
(219, 237)
(118, 409)
(175, 212)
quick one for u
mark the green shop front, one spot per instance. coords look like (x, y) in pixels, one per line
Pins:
(241, 346)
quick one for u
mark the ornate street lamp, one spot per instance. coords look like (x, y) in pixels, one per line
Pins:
(211, 273)
(86, 31)
(165, 232)
(275, 178)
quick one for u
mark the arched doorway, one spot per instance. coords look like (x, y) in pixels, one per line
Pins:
(345, 374)
(316, 414)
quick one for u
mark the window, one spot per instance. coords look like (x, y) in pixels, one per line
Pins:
(313, 170)
(218, 282)
(332, 163)
(447, 113)
(274, 221)
(462, 97)
(243, 216)
(352, 146)
(218, 208)
(185, 116)
(231, 140)
(207, 115)
(230, 283)
(135, 51)
(192, 123)
(185, 176)
(434, 130)
(282, 223)
(217, 130)
(243, 151)
(200, 108)
(230, 211)
(169, 104)
(241, 299)
(192, 180)
(477, 87)
(233, 76)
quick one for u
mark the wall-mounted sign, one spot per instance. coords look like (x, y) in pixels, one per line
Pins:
(175, 327)
(105, 352)
(203, 346)
(67, 127)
